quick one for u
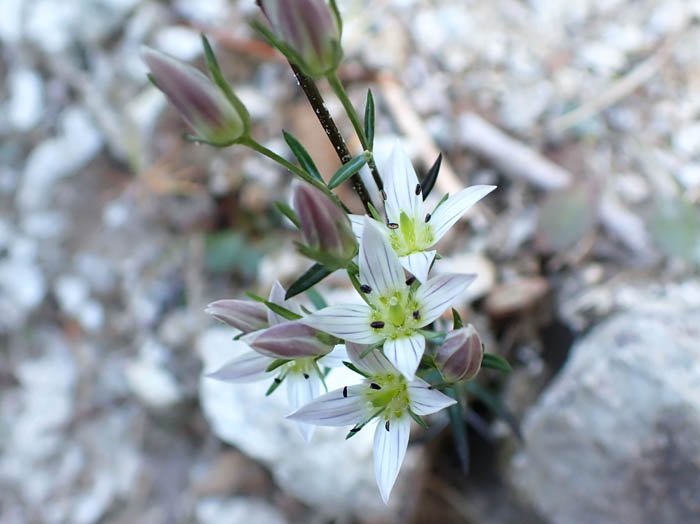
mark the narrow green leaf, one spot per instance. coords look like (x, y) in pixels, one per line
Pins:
(288, 212)
(275, 384)
(495, 362)
(276, 308)
(496, 405)
(354, 368)
(302, 156)
(369, 120)
(459, 431)
(277, 363)
(311, 277)
(370, 348)
(152, 80)
(373, 211)
(347, 170)
(457, 320)
(418, 420)
(442, 201)
(429, 181)
(316, 299)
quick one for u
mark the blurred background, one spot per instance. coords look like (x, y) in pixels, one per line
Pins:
(114, 235)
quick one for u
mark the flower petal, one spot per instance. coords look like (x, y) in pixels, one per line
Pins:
(405, 353)
(380, 268)
(289, 340)
(341, 407)
(358, 223)
(349, 322)
(374, 363)
(400, 187)
(302, 389)
(276, 297)
(248, 367)
(418, 264)
(438, 293)
(454, 207)
(335, 358)
(424, 401)
(390, 443)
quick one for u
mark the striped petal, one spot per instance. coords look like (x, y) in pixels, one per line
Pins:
(358, 223)
(335, 358)
(405, 353)
(349, 322)
(302, 389)
(400, 187)
(276, 297)
(418, 264)
(445, 216)
(374, 363)
(424, 400)
(290, 340)
(390, 443)
(248, 367)
(438, 293)
(341, 407)
(380, 268)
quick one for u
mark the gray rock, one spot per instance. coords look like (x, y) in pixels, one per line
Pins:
(615, 438)
(239, 510)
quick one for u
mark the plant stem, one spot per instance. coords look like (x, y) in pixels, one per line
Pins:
(342, 95)
(324, 117)
(255, 146)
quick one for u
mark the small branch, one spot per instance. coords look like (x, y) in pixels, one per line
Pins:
(324, 117)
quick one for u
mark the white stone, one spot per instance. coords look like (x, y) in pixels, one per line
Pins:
(22, 283)
(689, 176)
(238, 510)
(149, 379)
(25, 105)
(11, 20)
(686, 140)
(181, 42)
(71, 293)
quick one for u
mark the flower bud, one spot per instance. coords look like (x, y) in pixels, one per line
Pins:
(459, 357)
(308, 32)
(200, 102)
(242, 314)
(290, 340)
(326, 230)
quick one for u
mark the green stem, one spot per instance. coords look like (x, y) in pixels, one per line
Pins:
(255, 146)
(342, 95)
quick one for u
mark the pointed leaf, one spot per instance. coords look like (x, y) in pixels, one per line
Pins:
(428, 182)
(311, 277)
(496, 405)
(495, 362)
(288, 212)
(347, 170)
(276, 363)
(675, 226)
(459, 432)
(302, 156)
(457, 320)
(316, 299)
(275, 308)
(369, 120)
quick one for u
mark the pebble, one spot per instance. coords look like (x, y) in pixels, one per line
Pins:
(24, 107)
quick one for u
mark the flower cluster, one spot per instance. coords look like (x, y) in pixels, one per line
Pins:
(392, 336)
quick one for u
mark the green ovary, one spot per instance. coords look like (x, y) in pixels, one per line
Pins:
(396, 311)
(411, 237)
(392, 396)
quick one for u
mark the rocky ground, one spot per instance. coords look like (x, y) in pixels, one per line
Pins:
(114, 235)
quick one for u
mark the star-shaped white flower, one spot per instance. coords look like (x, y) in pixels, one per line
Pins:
(396, 310)
(412, 231)
(284, 340)
(385, 395)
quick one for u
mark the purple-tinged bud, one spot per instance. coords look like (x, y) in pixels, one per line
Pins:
(459, 357)
(308, 33)
(200, 102)
(326, 230)
(242, 314)
(290, 340)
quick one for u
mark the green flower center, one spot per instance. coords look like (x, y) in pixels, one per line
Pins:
(301, 366)
(412, 236)
(396, 314)
(390, 393)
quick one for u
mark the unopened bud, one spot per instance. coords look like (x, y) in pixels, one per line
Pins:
(242, 314)
(290, 340)
(326, 230)
(200, 102)
(308, 31)
(459, 357)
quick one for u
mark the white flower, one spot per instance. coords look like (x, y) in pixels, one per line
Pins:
(301, 374)
(395, 310)
(385, 395)
(412, 231)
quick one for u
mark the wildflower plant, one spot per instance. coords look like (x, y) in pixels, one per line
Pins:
(409, 364)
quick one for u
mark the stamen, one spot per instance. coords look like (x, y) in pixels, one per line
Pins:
(345, 392)
(377, 324)
(374, 385)
(410, 280)
(384, 195)
(392, 225)
(355, 429)
(431, 387)
(418, 189)
(427, 218)
(365, 288)
(386, 426)
(416, 314)
(278, 380)
(306, 376)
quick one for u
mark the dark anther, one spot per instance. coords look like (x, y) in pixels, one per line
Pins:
(377, 324)
(410, 280)
(416, 314)
(383, 195)
(374, 385)
(306, 376)
(278, 380)
(365, 288)
(386, 426)
(355, 429)
(418, 189)
(345, 391)
(431, 387)
(427, 218)
(392, 225)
